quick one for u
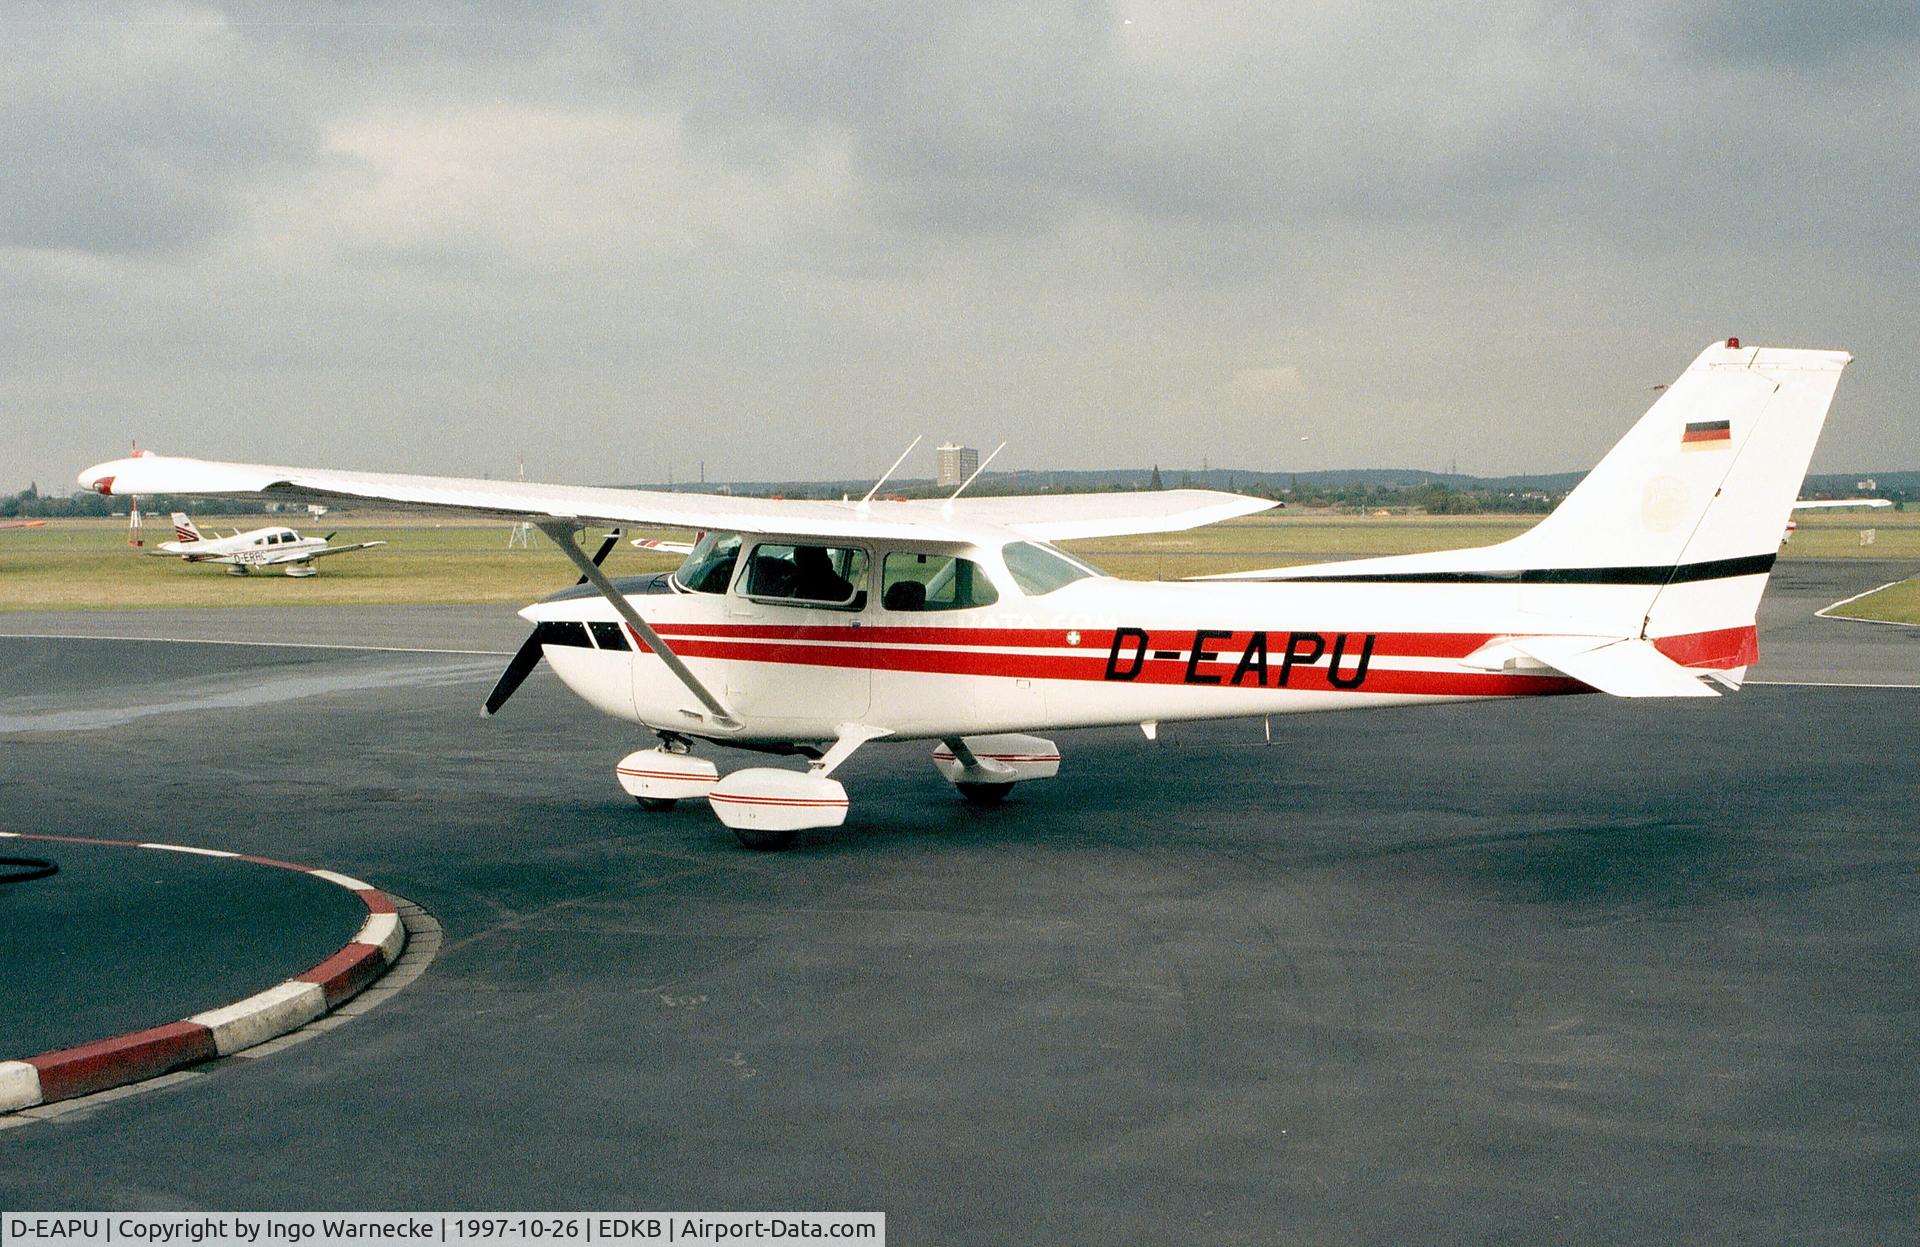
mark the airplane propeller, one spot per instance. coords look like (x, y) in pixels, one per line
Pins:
(527, 657)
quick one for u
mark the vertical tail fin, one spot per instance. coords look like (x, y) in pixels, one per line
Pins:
(1708, 475)
(183, 529)
(1670, 538)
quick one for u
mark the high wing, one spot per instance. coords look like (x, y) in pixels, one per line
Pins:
(1808, 504)
(1046, 518)
(303, 556)
(1069, 517)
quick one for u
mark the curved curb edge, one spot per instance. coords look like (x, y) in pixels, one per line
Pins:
(66, 1073)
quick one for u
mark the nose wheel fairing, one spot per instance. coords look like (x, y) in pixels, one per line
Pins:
(663, 775)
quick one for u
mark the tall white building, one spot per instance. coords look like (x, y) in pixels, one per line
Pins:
(955, 464)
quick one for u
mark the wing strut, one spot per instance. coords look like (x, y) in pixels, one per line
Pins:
(561, 533)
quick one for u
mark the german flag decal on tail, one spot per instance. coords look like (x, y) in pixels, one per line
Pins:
(1707, 434)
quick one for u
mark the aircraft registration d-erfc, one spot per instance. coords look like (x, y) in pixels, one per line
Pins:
(812, 628)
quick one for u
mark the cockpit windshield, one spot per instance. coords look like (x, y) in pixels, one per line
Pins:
(709, 569)
(1040, 569)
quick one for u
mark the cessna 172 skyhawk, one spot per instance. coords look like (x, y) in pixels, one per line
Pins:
(813, 628)
(257, 547)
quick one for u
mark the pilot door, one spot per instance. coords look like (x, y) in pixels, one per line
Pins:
(795, 634)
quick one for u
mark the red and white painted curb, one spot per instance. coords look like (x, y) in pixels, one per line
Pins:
(69, 1072)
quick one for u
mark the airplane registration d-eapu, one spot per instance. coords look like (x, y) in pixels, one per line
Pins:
(812, 628)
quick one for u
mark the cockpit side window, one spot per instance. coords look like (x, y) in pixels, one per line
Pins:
(1040, 569)
(808, 574)
(709, 569)
(913, 581)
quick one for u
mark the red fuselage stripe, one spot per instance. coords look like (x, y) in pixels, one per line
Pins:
(896, 649)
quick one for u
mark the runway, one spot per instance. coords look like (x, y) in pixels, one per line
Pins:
(1585, 969)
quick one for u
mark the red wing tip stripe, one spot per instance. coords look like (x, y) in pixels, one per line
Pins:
(802, 801)
(688, 775)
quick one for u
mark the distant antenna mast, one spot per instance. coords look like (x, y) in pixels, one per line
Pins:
(521, 538)
(889, 472)
(976, 472)
(133, 512)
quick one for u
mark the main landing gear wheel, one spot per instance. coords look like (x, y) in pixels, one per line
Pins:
(765, 841)
(984, 794)
(657, 805)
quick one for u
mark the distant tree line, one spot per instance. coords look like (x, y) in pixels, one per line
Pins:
(31, 504)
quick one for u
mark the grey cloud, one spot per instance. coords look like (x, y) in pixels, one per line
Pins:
(1796, 32)
(976, 218)
(128, 132)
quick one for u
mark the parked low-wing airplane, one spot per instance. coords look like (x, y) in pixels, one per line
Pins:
(812, 628)
(257, 547)
(23, 523)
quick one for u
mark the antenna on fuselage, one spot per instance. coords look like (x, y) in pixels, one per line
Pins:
(889, 472)
(976, 473)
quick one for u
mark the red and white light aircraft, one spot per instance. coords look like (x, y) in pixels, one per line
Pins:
(813, 628)
(257, 547)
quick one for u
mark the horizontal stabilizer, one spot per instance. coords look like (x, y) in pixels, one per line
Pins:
(1620, 666)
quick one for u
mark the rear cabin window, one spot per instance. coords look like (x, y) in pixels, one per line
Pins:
(709, 569)
(934, 582)
(1039, 570)
(809, 575)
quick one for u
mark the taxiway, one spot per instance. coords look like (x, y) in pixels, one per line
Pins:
(1577, 968)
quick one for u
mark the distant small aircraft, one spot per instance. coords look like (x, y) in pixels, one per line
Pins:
(1808, 504)
(664, 547)
(259, 547)
(24, 524)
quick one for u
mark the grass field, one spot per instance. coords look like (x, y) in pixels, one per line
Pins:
(1894, 604)
(86, 564)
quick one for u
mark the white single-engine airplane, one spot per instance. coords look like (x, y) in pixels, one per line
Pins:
(257, 547)
(812, 628)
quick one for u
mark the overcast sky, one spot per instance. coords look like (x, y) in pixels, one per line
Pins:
(784, 238)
